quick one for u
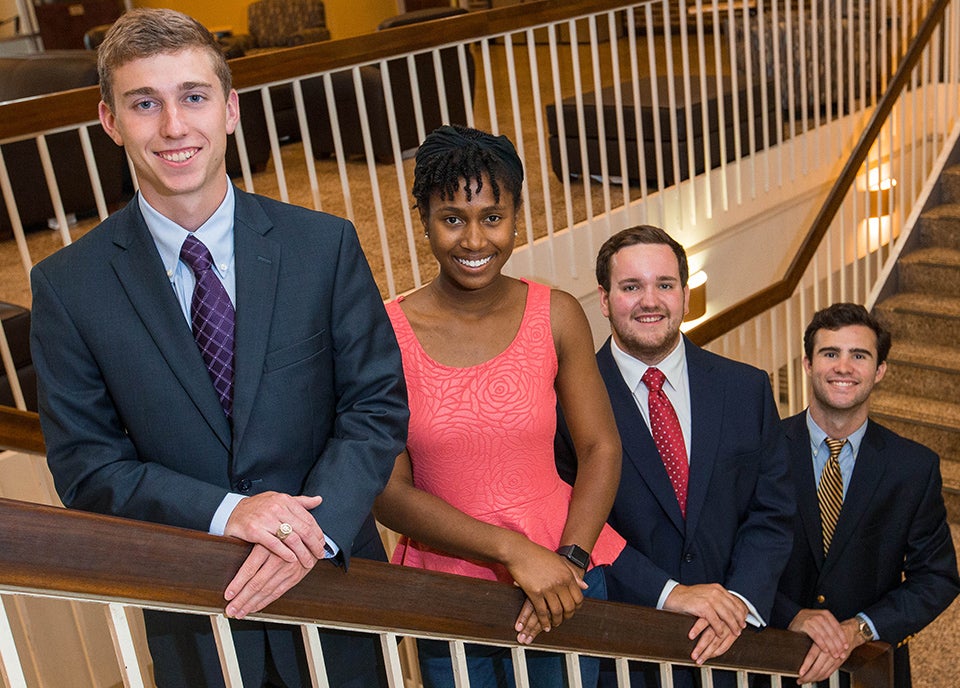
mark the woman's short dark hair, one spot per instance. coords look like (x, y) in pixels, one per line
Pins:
(450, 154)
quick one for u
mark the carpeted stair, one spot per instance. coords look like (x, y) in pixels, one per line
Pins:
(920, 395)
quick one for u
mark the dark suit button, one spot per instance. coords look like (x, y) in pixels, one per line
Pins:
(821, 599)
(688, 557)
(243, 485)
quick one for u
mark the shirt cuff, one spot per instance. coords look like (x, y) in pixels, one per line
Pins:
(753, 618)
(665, 593)
(220, 517)
(864, 617)
(330, 547)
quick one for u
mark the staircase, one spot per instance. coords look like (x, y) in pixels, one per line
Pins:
(920, 395)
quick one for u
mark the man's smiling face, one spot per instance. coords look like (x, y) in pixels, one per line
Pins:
(646, 302)
(173, 118)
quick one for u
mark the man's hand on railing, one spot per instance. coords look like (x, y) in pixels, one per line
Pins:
(257, 520)
(832, 643)
(554, 589)
(721, 617)
(287, 543)
(263, 578)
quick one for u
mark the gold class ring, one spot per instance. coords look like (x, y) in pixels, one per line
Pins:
(283, 531)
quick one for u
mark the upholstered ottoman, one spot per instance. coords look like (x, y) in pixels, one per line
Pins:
(631, 168)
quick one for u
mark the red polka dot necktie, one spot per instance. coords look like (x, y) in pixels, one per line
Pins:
(667, 435)
(213, 319)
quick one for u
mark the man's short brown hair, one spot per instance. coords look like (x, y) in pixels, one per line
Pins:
(145, 32)
(641, 234)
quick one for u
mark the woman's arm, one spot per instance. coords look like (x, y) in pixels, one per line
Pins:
(550, 583)
(586, 408)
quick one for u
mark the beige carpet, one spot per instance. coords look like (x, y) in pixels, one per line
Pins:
(935, 652)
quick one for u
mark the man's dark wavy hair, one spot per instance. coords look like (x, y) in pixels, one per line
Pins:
(842, 315)
(641, 234)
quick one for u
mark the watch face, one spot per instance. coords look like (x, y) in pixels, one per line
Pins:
(576, 555)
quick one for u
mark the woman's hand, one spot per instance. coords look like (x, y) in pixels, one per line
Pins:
(553, 585)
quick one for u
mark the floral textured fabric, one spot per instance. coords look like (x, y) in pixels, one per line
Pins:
(481, 439)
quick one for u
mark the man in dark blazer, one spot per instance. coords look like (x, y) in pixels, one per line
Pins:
(292, 457)
(720, 559)
(889, 567)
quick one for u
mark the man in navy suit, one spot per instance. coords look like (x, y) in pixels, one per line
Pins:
(886, 567)
(292, 457)
(715, 545)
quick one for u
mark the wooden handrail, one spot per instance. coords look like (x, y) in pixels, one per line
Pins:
(780, 291)
(20, 431)
(26, 117)
(55, 551)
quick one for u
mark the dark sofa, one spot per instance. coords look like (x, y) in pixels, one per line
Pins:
(33, 74)
(345, 97)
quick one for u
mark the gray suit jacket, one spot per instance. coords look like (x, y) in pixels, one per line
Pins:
(131, 420)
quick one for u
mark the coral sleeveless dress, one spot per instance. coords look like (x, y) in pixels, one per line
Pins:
(481, 439)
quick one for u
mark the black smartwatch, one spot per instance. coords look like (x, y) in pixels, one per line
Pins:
(576, 554)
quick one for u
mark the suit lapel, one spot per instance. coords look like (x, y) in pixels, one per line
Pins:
(638, 445)
(808, 504)
(868, 470)
(141, 274)
(706, 413)
(258, 265)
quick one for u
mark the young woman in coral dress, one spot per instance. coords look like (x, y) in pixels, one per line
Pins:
(486, 358)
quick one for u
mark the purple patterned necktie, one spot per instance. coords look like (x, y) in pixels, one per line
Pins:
(212, 317)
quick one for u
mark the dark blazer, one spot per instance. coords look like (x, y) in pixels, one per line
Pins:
(739, 501)
(892, 555)
(131, 420)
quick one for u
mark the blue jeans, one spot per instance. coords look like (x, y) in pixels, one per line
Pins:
(492, 667)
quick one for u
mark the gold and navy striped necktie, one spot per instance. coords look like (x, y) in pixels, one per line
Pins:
(830, 492)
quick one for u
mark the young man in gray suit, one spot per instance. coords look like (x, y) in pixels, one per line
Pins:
(872, 554)
(216, 360)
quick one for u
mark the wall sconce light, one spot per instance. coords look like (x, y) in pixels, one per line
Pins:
(698, 296)
(880, 203)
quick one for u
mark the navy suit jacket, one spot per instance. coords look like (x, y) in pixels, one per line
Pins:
(132, 424)
(891, 556)
(739, 500)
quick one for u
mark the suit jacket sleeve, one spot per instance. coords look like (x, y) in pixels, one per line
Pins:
(930, 581)
(370, 425)
(764, 538)
(784, 610)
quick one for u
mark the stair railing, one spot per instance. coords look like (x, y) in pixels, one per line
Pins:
(698, 171)
(866, 217)
(127, 565)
